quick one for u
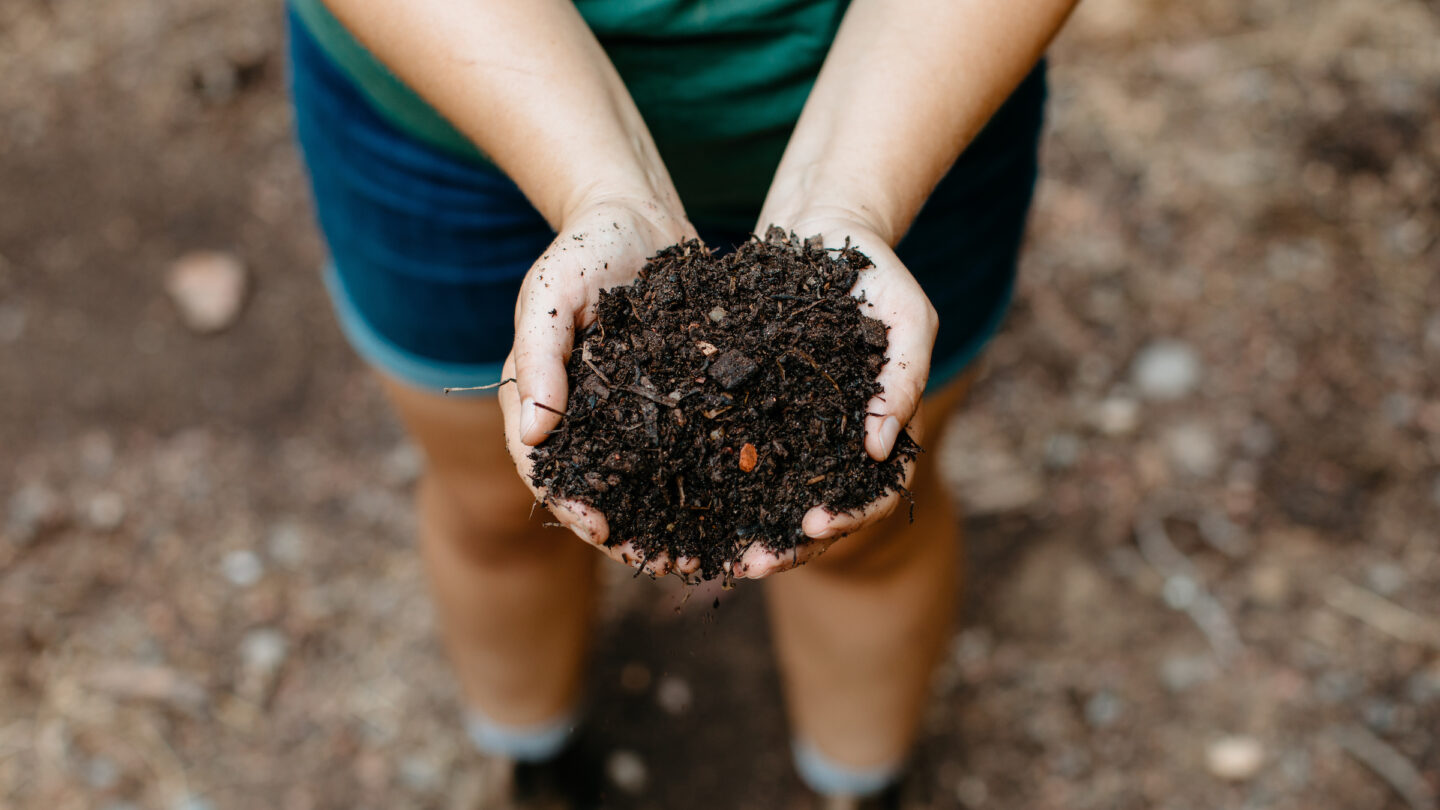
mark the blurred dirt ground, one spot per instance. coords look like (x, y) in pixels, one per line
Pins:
(1203, 468)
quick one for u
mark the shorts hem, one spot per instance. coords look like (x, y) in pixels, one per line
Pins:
(949, 369)
(406, 366)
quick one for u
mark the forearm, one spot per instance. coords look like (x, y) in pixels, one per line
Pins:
(905, 88)
(527, 81)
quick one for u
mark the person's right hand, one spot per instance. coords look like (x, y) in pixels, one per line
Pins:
(603, 245)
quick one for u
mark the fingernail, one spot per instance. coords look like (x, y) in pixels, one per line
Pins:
(889, 432)
(527, 417)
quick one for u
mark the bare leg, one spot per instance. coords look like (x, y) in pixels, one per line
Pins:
(858, 630)
(515, 600)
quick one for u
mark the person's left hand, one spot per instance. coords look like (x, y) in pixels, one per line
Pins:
(893, 296)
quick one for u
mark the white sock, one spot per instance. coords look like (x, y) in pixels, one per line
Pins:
(533, 743)
(830, 778)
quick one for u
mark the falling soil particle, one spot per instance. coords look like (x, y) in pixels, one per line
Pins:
(699, 436)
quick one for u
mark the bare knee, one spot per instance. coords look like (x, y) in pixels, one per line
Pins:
(489, 518)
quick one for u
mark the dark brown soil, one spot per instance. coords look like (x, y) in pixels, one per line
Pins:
(719, 398)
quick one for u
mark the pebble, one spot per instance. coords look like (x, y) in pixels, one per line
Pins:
(33, 510)
(1386, 579)
(1181, 673)
(1103, 709)
(673, 694)
(286, 545)
(125, 680)
(422, 774)
(1270, 585)
(627, 770)
(1424, 686)
(1235, 759)
(262, 654)
(1166, 369)
(208, 287)
(1062, 451)
(1180, 591)
(242, 568)
(1117, 416)
(402, 466)
(105, 511)
(1193, 449)
(1380, 714)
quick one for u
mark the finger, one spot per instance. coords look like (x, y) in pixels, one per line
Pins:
(545, 318)
(894, 297)
(757, 562)
(902, 380)
(822, 524)
(586, 522)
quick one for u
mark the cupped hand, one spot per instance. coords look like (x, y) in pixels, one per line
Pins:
(893, 296)
(601, 246)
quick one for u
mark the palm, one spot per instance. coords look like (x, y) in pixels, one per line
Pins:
(891, 295)
(603, 248)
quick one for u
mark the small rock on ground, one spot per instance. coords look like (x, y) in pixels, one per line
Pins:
(1166, 369)
(242, 568)
(1235, 759)
(1193, 449)
(673, 694)
(208, 287)
(627, 770)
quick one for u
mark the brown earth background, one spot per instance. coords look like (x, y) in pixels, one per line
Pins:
(1225, 599)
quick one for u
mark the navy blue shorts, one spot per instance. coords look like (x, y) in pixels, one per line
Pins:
(428, 249)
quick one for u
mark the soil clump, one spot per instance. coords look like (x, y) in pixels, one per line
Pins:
(718, 398)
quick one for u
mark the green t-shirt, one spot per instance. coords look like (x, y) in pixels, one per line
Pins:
(719, 82)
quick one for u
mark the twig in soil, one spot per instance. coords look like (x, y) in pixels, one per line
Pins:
(655, 398)
(1398, 772)
(1382, 614)
(805, 308)
(543, 406)
(1184, 589)
(482, 387)
(585, 357)
(807, 358)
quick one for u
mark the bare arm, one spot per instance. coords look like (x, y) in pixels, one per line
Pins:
(527, 81)
(906, 86)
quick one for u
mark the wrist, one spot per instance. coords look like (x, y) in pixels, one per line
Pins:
(800, 200)
(645, 205)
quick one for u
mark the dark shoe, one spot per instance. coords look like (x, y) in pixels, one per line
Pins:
(887, 799)
(573, 780)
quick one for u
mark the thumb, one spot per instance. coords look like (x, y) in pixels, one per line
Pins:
(544, 335)
(902, 378)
